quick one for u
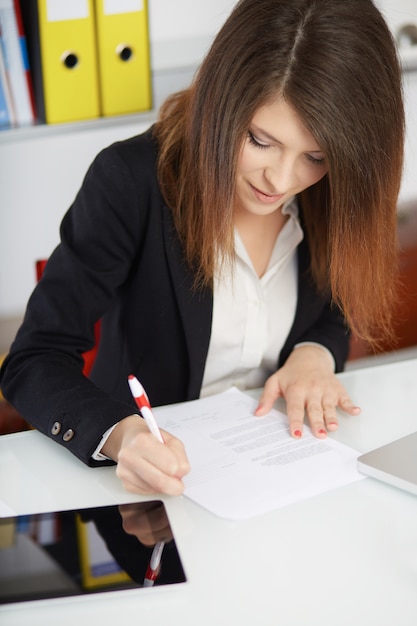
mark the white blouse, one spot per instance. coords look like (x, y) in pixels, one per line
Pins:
(252, 316)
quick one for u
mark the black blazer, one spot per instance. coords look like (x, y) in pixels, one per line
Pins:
(120, 260)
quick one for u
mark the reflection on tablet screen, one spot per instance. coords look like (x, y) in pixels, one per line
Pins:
(70, 553)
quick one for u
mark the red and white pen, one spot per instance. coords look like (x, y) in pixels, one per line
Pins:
(152, 571)
(142, 402)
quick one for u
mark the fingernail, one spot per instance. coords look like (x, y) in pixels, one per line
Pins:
(297, 433)
(322, 431)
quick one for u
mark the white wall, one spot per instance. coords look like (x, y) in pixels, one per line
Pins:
(41, 168)
(181, 30)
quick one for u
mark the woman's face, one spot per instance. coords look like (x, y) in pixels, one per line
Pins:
(279, 159)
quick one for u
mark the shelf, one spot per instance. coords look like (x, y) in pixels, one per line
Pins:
(164, 83)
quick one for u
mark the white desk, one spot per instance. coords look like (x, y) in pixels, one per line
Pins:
(348, 557)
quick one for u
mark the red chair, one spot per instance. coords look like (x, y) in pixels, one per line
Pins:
(90, 355)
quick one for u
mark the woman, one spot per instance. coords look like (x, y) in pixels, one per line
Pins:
(235, 242)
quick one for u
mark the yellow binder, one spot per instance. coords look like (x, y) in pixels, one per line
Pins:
(63, 54)
(123, 56)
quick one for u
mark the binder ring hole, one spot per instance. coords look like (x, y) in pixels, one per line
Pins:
(407, 36)
(70, 60)
(124, 52)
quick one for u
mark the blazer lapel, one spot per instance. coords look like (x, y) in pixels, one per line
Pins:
(195, 306)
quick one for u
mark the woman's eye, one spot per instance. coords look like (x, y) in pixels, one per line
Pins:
(316, 160)
(255, 142)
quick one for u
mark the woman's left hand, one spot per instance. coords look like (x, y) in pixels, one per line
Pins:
(309, 386)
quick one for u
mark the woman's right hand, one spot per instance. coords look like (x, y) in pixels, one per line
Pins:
(144, 465)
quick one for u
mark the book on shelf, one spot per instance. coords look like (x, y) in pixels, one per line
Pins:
(7, 119)
(15, 62)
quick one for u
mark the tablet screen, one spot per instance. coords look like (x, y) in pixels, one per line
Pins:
(78, 552)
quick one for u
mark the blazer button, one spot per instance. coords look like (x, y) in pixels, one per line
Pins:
(68, 435)
(56, 428)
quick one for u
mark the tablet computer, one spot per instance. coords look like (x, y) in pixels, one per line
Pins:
(86, 551)
(394, 463)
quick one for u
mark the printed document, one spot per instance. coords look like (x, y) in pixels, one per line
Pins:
(242, 465)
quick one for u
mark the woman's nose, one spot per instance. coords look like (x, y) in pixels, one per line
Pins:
(281, 175)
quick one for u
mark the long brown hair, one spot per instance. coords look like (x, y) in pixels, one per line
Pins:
(336, 63)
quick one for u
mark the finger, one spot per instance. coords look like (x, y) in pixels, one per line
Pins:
(324, 418)
(138, 486)
(169, 458)
(271, 392)
(177, 448)
(146, 465)
(134, 485)
(146, 479)
(315, 414)
(330, 416)
(296, 413)
(346, 405)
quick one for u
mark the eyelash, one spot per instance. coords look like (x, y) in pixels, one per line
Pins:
(262, 146)
(315, 161)
(256, 143)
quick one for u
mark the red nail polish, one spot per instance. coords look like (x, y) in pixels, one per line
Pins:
(297, 433)
(322, 431)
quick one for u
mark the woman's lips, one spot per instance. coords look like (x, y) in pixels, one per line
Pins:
(266, 198)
